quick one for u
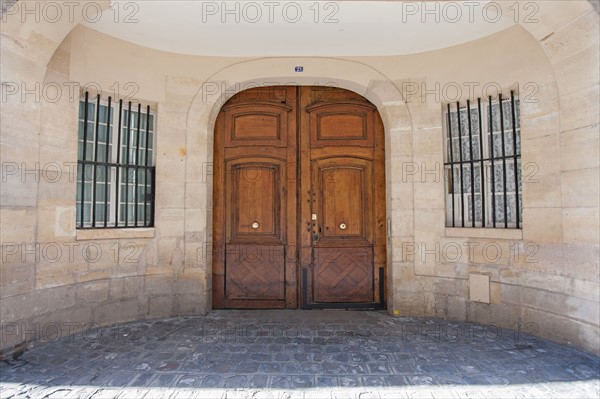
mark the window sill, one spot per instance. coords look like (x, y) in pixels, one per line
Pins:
(111, 234)
(470, 232)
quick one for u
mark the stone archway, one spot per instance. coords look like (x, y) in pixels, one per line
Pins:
(361, 79)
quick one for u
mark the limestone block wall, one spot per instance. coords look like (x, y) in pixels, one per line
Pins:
(543, 279)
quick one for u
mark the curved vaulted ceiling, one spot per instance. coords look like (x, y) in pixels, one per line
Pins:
(300, 28)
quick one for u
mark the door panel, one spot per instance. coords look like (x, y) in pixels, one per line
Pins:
(342, 192)
(343, 269)
(256, 124)
(341, 124)
(343, 274)
(299, 189)
(255, 135)
(344, 250)
(343, 205)
(255, 272)
(253, 199)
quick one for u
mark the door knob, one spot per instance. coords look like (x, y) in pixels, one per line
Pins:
(255, 225)
(343, 226)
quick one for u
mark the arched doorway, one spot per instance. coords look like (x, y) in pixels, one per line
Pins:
(299, 200)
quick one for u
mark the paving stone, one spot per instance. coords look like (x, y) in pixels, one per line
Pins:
(379, 368)
(259, 381)
(248, 367)
(141, 380)
(163, 380)
(188, 380)
(283, 354)
(382, 357)
(357, 369)
(265, 357)
(339, 357)
(421, 380)
(373, 381)
(396, 380)
(284, 357)
(359, 357)
(270, 368)
(236, 381)
(403, 368)
(300, 357)
(94, 378)
(211, 381)
(349, 381)
(326, 381)
(301, 381)
(168, 366)
(218, 367)
(281, 382)
(436, 368)
(121, 379)
(292, 368)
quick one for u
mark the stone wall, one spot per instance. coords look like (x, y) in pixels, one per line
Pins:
(543, 281)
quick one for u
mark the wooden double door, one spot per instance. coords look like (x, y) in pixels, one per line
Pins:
(299, 200)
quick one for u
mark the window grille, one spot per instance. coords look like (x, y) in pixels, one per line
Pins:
(483, 163)
(115, 164)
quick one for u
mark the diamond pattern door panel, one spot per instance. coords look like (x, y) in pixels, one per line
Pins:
(343, 274)
(254, 272)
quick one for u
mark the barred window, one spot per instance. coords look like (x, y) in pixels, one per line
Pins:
(483, 163)
(119, 147)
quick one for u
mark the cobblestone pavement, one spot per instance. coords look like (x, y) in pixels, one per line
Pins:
(300, 354)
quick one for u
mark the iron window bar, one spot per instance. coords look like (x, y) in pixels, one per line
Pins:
(81, 163)
(451, 164)
(516, 162)
(460, 157)
(106, 157)
(119, 163)
(471, 161)
(493, 174)
(482, 166)
(496, 160)
(505, 203)
(95, 167)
